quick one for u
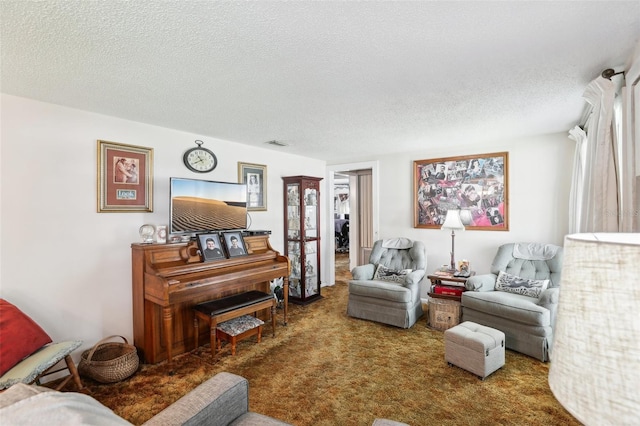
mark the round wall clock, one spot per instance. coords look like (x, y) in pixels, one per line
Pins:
(200, 160)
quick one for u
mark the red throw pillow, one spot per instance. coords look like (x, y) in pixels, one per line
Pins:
(20, 336)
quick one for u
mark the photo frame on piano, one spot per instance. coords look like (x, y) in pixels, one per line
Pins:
(210, 247)
(234, 243)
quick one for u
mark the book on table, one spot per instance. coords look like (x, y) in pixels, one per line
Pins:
(450, 290)
(443, 274)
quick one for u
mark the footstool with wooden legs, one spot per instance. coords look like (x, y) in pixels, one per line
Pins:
(236, 329)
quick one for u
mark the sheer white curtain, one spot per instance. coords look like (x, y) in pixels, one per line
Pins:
(576, 198)
(630, 138)
(624, 142)
(598, 208)
(603, 191)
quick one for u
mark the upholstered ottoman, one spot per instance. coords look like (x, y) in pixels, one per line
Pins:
(475, 348)
(237, 329)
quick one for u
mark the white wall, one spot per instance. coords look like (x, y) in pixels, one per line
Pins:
(63, 263)
(539, 183)
(69, 267)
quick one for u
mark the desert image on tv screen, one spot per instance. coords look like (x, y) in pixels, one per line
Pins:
(206, 209)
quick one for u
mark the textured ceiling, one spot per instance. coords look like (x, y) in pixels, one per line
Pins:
(334, 80)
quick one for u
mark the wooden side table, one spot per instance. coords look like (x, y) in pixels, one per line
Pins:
(448, 279)
(444, 309)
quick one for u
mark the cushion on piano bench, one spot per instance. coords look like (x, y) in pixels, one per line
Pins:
(239, 325)
(226, 304)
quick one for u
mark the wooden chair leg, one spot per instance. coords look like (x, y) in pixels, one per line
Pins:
(196, 326)
(60, 385)
(212, 339)
(73, 374)
(74, 371)
(273, 318)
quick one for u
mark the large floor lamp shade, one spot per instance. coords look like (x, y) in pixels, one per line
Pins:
(595, 359)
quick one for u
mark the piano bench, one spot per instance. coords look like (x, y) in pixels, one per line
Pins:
(236, 329)
(226, 308)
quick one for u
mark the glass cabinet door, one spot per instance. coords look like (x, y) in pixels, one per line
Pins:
(293, 211)
(293, 238)
(310, 269)
(302, 234)
(310, 218)
(294, 278)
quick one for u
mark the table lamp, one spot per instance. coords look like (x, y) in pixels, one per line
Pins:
(595, 358)
(452, 221)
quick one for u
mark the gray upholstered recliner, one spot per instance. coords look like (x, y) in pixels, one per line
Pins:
(394, 301)
(526, 321)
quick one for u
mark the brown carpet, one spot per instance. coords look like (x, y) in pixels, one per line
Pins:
(326, 368)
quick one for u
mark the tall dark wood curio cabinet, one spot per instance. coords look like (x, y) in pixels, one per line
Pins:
(302, 236)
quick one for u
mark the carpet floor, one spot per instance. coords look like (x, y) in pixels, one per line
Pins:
(325, 368)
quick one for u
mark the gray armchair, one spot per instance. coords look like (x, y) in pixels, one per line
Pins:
(384, 294)
(527, 321)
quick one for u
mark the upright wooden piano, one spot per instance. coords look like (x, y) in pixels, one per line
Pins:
(169, 279)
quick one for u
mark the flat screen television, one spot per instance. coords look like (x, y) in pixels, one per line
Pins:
(199, 206)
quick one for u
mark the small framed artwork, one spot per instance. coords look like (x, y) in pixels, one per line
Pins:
(255, 176)
(125, 178)
(210, 247)
(477, 185)
(235, 244)
(161, 234)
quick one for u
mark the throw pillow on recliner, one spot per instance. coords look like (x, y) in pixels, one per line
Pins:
(514, 284)
(19, 334)
(386, 274)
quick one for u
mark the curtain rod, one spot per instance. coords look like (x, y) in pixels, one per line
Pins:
(586, 112)
(610, 72)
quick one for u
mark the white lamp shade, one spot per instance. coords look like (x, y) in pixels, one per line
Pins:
(466, 217)
(595, 358)
(453, 221)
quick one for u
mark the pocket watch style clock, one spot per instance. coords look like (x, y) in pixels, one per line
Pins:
(200, 160)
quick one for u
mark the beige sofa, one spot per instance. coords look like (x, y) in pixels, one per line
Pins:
(221, 400)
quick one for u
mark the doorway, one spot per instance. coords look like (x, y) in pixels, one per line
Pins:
(362, 215)
(341, 212)
(341, 216)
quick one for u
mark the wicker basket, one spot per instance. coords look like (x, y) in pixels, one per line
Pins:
(109, 362)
